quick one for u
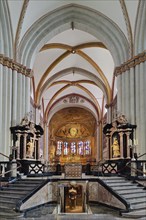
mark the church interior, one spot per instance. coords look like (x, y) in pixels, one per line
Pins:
(72, 109)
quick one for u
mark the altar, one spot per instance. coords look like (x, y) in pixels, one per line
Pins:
(73, 170)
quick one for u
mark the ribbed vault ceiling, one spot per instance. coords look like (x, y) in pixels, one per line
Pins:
(72, 61)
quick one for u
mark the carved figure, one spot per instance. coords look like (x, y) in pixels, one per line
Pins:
(30, 149)
(72, 197)
(32, 127)
(116, 148)
(122, 119)
(24, 121)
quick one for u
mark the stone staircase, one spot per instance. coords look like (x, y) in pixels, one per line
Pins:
(132, 192)
(13, 193)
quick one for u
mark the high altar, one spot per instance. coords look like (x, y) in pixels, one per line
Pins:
(72, 143)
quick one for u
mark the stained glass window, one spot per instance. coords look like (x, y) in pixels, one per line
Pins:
(87, 148)
(59, 148)
(66, 150)
(73, 148)
(80, 148)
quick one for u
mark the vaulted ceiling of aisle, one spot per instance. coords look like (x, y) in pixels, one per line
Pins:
(85, 52)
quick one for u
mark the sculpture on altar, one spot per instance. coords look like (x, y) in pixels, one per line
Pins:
(72, 197)
(30, 149)
(26, 137)
(115, 148)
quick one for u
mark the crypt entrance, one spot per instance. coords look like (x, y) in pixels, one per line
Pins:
(72, 137)
(73, 196)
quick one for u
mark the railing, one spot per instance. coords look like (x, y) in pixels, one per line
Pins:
(7, 168)
(137, 168)
(125, 167)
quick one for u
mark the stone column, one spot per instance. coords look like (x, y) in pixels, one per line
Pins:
(14, 98)
(27, 94)
(121, 144)
(144, 132)
(1, 101)
(97, 142)
(123, 94)
(19, 99)
(23, 113)
(18, 145)
(99, 153)
(132, 96)
(108, 146)
(24, 145)
(127, 95)
(142, 109)
(38, 146)
(109, 112)
(137, 103)
(6, 110)
(119, 96)
(46, 143)
(45, 151)
(111, 150)
(128, 147)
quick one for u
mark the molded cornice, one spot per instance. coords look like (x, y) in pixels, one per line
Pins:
(6, 61)
(140, 58)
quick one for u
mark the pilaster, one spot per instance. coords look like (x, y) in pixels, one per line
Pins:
(14, 97)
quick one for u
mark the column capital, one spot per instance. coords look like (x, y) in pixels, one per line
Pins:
(140, 58)
(12, 64)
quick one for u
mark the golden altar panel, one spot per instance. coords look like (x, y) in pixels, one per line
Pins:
(73, 159)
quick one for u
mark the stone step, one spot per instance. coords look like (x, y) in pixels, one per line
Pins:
(114, 181)
(30, 180)
(5, 209)
(135, 214)
(20, 188)
(128, 190)
(117, 188)
(23, 185)
(13, 192)
(133, 195)
(10, 196)
(6, 199)
(4, 216)
(139, 206)
(137, 200)
(26, 181)
(8, 204)
(124, 184)
(116, 178)
(8, 211)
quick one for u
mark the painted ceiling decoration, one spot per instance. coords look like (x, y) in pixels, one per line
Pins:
(72, 123)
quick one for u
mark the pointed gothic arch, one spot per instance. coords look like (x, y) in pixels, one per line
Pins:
(84, 19)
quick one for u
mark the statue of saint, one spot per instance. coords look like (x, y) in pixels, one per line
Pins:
(72, 197)
(116, 148)
(30, 149)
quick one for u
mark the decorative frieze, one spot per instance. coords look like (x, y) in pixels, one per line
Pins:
(6, 61)
(140, 58)
(73, 99)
